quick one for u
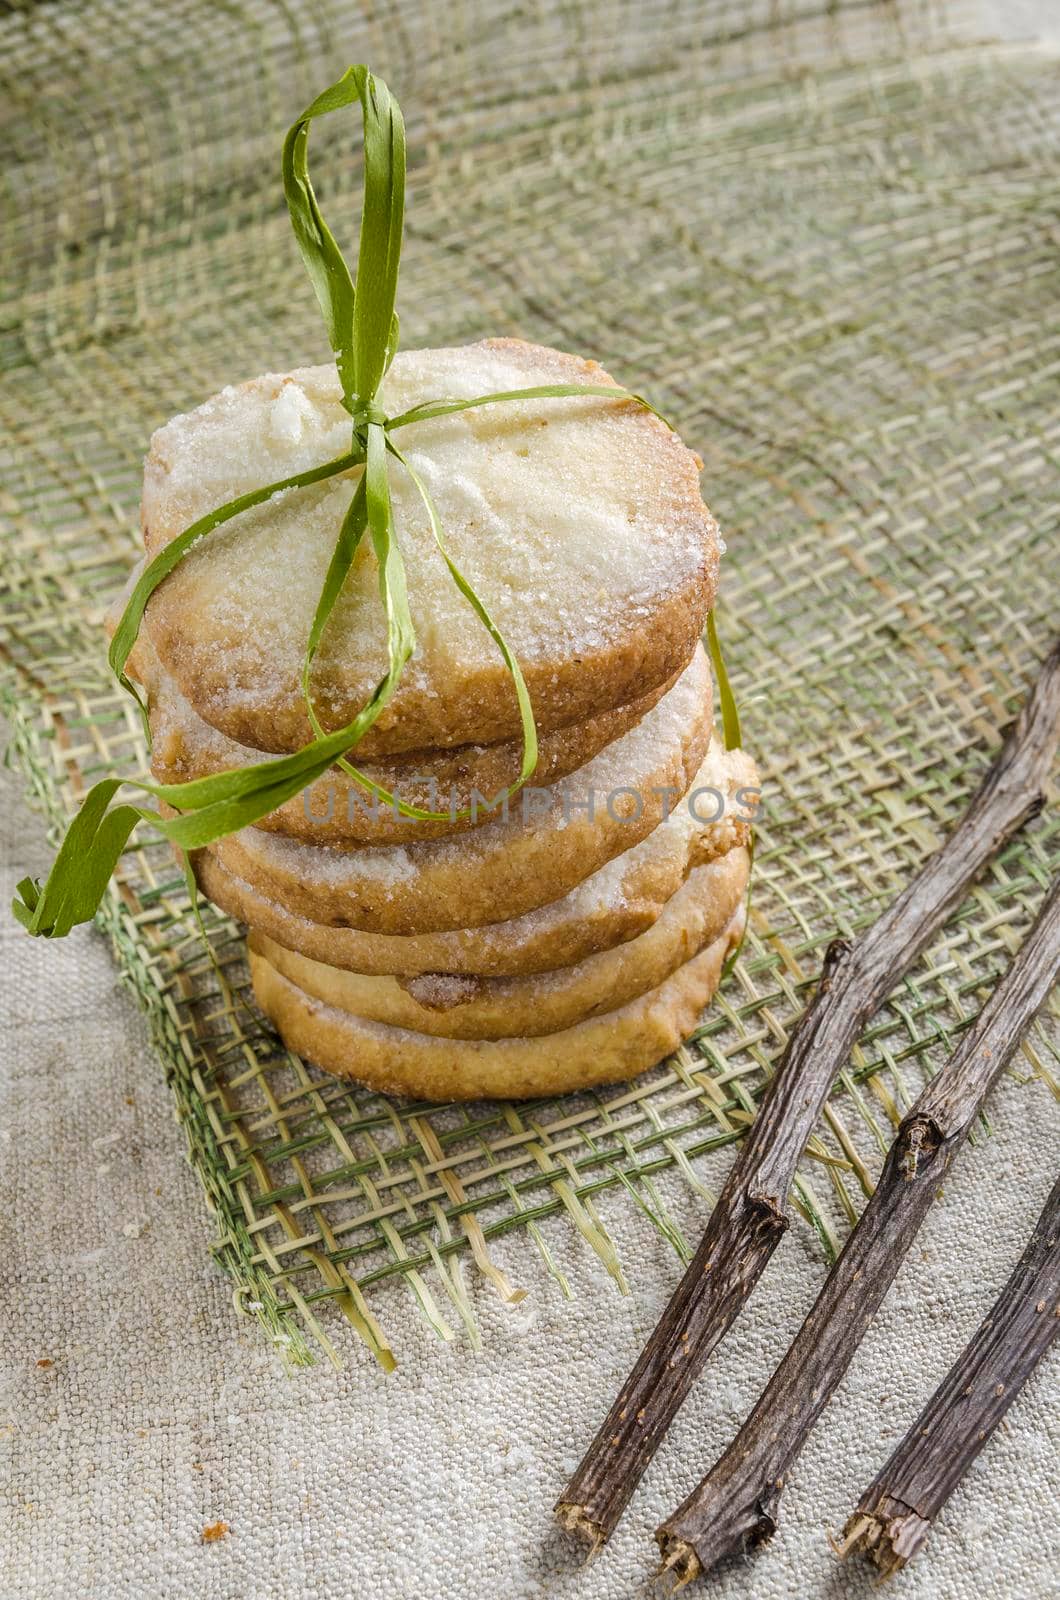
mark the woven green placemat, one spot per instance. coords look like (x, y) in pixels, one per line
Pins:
(823, 239)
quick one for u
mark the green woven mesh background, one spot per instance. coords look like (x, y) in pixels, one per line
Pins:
(824, 239)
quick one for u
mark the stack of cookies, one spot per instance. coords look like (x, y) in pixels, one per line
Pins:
(568, 935)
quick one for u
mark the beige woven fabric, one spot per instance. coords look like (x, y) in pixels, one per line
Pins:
(162, 1414)
(157, 1412)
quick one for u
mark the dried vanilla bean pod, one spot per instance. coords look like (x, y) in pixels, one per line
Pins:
(735, 1505)
(895, 1515)
(748, 1220)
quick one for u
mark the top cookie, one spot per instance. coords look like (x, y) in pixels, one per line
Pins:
(579, 521)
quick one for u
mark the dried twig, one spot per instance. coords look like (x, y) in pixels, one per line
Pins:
(895, 1515)
(748, 1220)
(736, 1503)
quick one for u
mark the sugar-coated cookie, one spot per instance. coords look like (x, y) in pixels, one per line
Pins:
(463, 1007)
(614, 904)
(579, 522)
(616, 1044)
(550, 840)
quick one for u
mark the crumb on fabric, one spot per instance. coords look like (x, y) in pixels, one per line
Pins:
(214, 1531)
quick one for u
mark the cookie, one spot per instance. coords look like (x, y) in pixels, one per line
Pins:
(550, 840)
(579, 522)
(336, 809)
(464, 1007)
(613, 1045)
(615, 904)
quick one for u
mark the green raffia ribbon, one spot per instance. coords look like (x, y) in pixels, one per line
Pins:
(362, 327)
(730, 728)
(730, 716)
